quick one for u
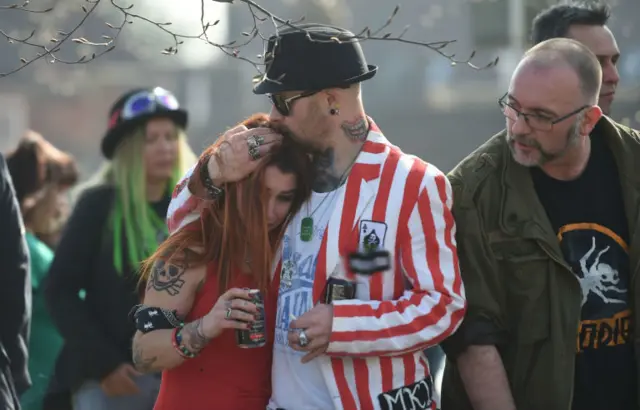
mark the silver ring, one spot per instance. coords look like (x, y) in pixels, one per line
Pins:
(255, 141)
(228, 314)
(304, 340)
(254, 153)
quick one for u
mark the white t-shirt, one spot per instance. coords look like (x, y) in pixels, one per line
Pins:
(295, 385)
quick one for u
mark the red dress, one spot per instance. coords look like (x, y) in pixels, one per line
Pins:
(223, 376)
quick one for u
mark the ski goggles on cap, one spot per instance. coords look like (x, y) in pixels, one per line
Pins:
(149, 102)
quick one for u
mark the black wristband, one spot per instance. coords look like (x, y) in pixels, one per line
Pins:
(147, 318)
(213, 192)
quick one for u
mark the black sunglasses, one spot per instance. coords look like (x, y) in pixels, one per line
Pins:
(283, 105)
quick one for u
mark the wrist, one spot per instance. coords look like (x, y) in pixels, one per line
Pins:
(214, 171)
(213, 190)
(208, 327)
(176, 340)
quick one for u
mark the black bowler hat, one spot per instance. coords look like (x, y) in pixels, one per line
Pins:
(135, 108)
(313, 57)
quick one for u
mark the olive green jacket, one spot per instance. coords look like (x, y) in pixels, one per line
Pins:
(522, 296)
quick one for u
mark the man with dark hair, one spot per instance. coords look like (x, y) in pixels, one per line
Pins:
(585, 22)
(549, 244)
(15, 297)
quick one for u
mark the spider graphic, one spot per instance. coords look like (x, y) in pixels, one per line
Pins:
(599, 278)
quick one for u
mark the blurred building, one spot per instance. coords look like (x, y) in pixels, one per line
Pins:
(425, 105)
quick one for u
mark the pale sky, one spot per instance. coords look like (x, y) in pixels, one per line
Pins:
(148, 41)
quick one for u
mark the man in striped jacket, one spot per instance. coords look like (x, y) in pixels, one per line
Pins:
(365, 352)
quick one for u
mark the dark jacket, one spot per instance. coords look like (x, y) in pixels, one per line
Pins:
(96, 330)
(15, 297)
(522, 296)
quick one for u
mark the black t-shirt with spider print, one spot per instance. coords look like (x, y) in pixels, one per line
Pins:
(589, 218)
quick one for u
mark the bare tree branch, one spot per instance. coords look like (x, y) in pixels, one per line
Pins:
(49, 51)
(23, 7)
(260, 17)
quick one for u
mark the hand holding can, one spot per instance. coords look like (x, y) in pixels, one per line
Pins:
(256, 334)
(233, 310)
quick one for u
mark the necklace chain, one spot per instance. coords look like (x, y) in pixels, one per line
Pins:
(307, 227)
(341, 181)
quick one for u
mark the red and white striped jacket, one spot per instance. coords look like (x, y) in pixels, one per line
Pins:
(375, 357)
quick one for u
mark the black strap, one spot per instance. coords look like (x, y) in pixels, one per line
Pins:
(149, 318)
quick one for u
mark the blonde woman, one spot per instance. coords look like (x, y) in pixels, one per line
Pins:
(114, 226)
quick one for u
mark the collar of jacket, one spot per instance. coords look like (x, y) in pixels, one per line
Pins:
(522, 214)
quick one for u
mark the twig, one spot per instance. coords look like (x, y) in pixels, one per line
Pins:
(58, 42)
(259, 15)
(23, 7)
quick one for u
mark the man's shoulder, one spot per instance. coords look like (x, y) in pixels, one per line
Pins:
(628, 134)
(483, 162)
(491, 152)
(414, 166)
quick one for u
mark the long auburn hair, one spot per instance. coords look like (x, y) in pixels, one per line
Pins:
(239, 221)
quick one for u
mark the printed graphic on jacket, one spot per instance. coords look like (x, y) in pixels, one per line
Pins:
(598, 256)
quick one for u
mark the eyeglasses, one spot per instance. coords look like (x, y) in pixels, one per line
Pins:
(534, 121)
(283, 105)
(148, 102)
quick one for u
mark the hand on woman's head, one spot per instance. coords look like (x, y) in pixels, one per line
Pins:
(240, 151)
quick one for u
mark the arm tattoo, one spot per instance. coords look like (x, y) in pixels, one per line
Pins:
(356, 130)
(143, 364)
(327, 178)
(195, 337)
(167, 278)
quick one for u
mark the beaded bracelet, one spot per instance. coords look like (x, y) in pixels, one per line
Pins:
(176, 340)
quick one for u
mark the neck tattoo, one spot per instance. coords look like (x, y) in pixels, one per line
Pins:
(307, 227)
(327, 178)
(356, 130)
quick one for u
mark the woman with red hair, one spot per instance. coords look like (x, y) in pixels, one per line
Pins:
(198, 285)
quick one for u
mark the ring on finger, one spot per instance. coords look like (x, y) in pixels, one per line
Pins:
(254, 153)
(255, 141)
(304, 340)
(228, 314)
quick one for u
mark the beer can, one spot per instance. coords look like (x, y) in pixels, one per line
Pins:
(256, 335)
(339, 289)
